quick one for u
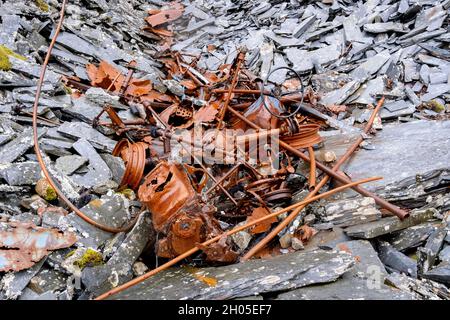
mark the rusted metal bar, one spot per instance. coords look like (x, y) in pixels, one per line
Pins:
(240, 60)
(312, 169)
(125, 84)
(380, 201)
(188, 253)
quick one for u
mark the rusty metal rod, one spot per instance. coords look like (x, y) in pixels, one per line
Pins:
(36, 141)
(223, 111)
(380, 201)
(188, 253)
(294, 214)
(312, 169)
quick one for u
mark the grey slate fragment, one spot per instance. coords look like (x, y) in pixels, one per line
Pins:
(347, 212)
(17, 147)
(340, 95)
(440, 273)
(304, 26)
(357, 284)
(98, 173)
(371, 66)
(433, 246)
(69, 164)
(302, 60)
(98, 279)
(409, 140)
(397, 260)
(245, 279)
(12, 284)
(435, 91)
(412, 237)
(444, 255)
(422, 289)
(387, 225)
(115, 164)
(383, 27)
(20, 174)
(83, 130)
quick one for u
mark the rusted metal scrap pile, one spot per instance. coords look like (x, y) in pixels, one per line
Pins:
(210, 133)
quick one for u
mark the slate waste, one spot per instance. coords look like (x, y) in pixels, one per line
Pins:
(225, 149)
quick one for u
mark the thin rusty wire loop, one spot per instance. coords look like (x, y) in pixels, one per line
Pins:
(36, 141)
(188, 253)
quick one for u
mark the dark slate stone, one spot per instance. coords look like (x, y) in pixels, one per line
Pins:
(412, 237)
(244, 279)
(22, 173)
(397, 260)
(17, 147)
(387, 225)
(365, 281)
(83, 130)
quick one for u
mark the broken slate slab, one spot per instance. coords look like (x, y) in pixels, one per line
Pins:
(396, 260)
(422, 289)
(248, 278)
(12, 284)
(440, 273)
(397, 147)
(17, 147)
(348, 212)
(98, 173)
(70, 164)
(360, 283)
(118, 269)
(83, 130)
(21, 173)
(412, 237)
(387, 225)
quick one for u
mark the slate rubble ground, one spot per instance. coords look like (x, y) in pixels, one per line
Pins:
(351, 53)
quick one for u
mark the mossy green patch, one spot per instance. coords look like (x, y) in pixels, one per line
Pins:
(5, 53)
(128, 193)
(42, 5)
(89, 258)
(436, 106)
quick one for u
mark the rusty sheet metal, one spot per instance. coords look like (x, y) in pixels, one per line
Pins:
(308, 136)
(158, 17)
(165, 190)
(24, 244)
(260, 116)
(107, 76)
(261, 227)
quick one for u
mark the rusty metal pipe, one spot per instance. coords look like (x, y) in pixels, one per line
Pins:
(188, 253)
(312, 169)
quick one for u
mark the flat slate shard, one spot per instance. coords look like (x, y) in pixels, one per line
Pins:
(387, 225)
(98, 172)
(20, 174)
(397, 260)
(249, 278)
(347, 212)
(355, 284)
(83, 130)
(98, 279)
(17, 147)
(422, 289)
(440, 273)
(398, 146)
(412, 237)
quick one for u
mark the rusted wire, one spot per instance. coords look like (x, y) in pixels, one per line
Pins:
(36, 141)
(226, 234)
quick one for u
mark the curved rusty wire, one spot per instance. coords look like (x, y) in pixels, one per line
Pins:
(36, 141)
